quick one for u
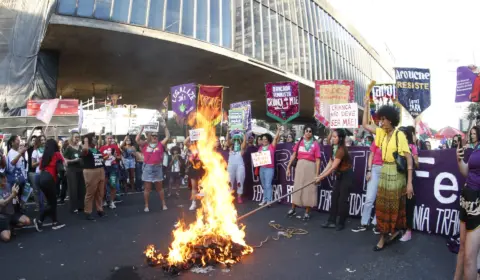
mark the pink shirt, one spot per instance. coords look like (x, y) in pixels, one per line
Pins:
(377, 154)
(272, 154)
(310, 155)
(414, 150)
(152, 155)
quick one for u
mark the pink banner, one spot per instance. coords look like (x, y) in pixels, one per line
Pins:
(328, 93)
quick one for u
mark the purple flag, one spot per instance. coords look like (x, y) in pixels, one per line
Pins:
(465, 80)
(184, 101)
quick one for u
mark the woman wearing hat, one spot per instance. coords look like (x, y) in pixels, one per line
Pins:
(236, 166)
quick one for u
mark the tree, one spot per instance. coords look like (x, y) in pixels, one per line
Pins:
(472, 111)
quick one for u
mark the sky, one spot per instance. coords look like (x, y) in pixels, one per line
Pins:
(439, 35)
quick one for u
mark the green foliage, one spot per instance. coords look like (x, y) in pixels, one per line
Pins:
(472, 111)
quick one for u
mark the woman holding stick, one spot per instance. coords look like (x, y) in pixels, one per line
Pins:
(307, 154)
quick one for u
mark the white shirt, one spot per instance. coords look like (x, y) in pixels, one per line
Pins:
(37, 156)
(176, 166)
(12, 154)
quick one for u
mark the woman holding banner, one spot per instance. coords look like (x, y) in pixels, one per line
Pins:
(469, 211)
(395, 178)
(236, 166)
(267, 171)
(306, 153)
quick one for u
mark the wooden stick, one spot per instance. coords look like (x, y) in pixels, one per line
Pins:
(272, 202)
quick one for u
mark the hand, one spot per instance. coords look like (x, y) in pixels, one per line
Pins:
(410, 193)
(368, 176)
(279, 127)
(22, 150)
(366, 101)
(288, 172)
(460, 153)
(319, 178)
(15, 190)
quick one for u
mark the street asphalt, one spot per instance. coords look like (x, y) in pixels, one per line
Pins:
(112, 248)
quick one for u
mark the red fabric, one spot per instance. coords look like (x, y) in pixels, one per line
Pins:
(108, 150)
(448, 132)
(52, 166)
(475, 95)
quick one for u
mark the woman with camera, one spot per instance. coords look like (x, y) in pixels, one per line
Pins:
(396, 174)
(469, 211)
(306, 161)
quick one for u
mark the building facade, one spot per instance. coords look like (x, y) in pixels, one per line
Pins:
(299, 37)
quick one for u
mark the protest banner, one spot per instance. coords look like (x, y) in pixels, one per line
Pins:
(210, 103)
(468, 84)
(151, 127)
(344, 115)
(283, 101)
(236, 119)
(195, 134)
(183, 101)
(246, 105)
(328, 93)
(437, 179)
(261, 158)
(380, 95)
(47, 109)
(413, 89)
(66, 107)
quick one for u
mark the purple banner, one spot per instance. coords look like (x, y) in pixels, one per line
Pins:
(467, 77)
(248, 112)
(184, 101)
(437, 184)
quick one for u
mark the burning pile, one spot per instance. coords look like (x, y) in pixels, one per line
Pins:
(214, 237)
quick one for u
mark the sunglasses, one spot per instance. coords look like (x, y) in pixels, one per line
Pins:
(154, 135)
(308, 131)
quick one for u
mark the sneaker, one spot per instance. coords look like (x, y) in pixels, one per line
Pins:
(359, 228)
(291, 213)
(105, 204)
(407, 236)
(118, 200)
(38, 225)
(57, 225)
(61, 202)
(193, 206)
(375, 230)
(75, 211)
(90, 217)
(146, 210)
(165, 207)
(101, 214)
(112, 205)
(262, 203)
(239, 200)
(306, 217)
(328, 225)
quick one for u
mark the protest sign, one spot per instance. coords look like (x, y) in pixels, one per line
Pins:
(283, 101)
(468, 84)
(344, 115)
(413, 89)
(328, 93)
(195, 134)
(210, 103)
(151, 127)
(65, 107)
(183, 101)
(380, 95)
(236, 119)
(245, 105)
(261, 158)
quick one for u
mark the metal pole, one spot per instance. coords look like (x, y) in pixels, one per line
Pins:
(272, 202)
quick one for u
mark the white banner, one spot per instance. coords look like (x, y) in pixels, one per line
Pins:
(344, 115)
(151, 127)
(261, 158)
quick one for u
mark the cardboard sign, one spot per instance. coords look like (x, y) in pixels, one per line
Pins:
(331, 92)
(236, 119)
(195, 134)
(261, 158)
(151, 127)
(344, 115)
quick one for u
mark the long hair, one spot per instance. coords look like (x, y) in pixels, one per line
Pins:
(342, 135)
(477, 130)
(10, 141)
(408, 133)
(51, 147)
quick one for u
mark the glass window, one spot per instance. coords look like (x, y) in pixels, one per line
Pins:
(267, 56)
(85, 8)
(296, 46)
(290, 46)
(334, 64)
(202, 14)
(66, 7)
(272, 5)
(286, 8)
(306, 15)
(301, 45)
(188, 13)
(328, 68)
(299, 10)
(173, 16)
(139, 12)
(273, 26)
(280, 7)
(282, 41)
(293, 10)
(238, 44)
(215, 22)
(258, 27)
(226, 24)
(155, 16)
(311, 58)
(102, 9)
(120, 10)
(248, 27)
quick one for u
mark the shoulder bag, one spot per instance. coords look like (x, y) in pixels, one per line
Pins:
(400, 161)
(295, 160)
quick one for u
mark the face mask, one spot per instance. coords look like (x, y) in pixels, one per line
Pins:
(368, 143)
(236, 146)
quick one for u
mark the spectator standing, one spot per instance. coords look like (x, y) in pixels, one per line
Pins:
(175, 168)
(111, 156)
(269, 145)
(129, 159)
(76, 182)
(16, 169)
(31, 171)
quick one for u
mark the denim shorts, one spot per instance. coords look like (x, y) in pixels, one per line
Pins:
(152, 173)
(129, 163)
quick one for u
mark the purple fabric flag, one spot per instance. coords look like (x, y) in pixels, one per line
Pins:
(184, 100)
(465, 79)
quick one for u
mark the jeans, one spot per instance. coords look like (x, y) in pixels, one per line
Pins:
(138, 176)
(236, 173)
(38, 195)
(48, 187)
(372, 187)
(112, 178)
(266, 177)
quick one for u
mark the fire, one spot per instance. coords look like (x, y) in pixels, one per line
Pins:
(215, 236)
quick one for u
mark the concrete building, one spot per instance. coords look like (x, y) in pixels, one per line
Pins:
(140, 48)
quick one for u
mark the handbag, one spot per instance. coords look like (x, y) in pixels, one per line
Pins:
(295, 160)
(400, 161)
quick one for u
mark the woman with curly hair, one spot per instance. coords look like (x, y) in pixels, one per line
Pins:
(394, 182)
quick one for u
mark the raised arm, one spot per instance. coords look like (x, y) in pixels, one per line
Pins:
(167, 136)
(228, 140)
(138, 138)
(30, 136)
(462, 166)
(244, 143)
(277, 136)
(372, 128)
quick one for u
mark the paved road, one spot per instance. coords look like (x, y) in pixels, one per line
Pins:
(111, 248)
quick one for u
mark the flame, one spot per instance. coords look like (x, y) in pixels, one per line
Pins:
(215, 229)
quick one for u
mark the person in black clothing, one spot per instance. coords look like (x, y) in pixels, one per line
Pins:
(76, 183)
